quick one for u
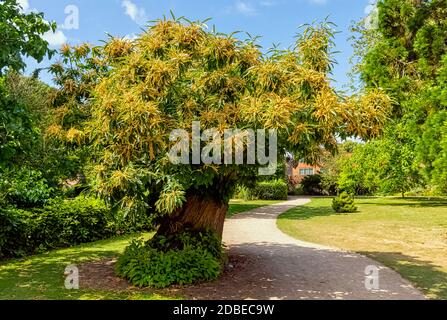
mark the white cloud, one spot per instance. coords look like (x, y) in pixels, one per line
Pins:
(55, 39)
(24, 4)
(134, 12)
(242, 7)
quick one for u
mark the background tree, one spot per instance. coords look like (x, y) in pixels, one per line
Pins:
(381, 166)
(75, 74)
(332, 166)
(23, 106)
(405, 53)
(21, 35)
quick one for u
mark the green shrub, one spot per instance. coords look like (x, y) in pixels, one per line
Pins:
(71, 222)
(58, 224)
(312, 185)
(131, 222)
(24, 188)
(243, 192)
(14, 232)
(271, 190)
(61, 223)
(344, 203)
(184, 258)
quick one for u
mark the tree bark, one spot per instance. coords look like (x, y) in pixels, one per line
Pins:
(198, 213)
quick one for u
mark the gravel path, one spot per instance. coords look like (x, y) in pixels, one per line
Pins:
(267, 264)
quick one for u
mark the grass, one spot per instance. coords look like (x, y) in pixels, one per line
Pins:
(239, 205)
(41, 277)
(408, 235)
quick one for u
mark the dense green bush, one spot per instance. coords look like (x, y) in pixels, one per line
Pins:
(131, 222)
(344, 203)
(312, 185)
(24, 188)
(271, 190)
(71, 222)
(61, 223)
(243, 192)
(183, 259)
(58, 224)
(14, 232)
(265, 190)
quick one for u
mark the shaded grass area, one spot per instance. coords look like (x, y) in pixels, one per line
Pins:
(239, 206)
(408, 235)
(41, 277)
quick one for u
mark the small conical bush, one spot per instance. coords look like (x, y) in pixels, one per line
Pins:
(344, 203)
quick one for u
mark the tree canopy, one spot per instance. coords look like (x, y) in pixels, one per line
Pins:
(21, 35)
(405, 54)
(134, 93)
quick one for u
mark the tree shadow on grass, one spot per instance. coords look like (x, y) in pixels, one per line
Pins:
(284, 271)
(239, 208)
(423, 274)
(42, 276)
(410, 202)
(307, 212)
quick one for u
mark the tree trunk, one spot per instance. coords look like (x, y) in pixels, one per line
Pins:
(198, 213)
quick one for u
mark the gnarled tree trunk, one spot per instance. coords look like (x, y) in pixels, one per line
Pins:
(198, 213)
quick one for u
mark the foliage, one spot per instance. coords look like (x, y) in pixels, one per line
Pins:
(405, 54)
(59, 224)
(39, 277)
(76, 74)
(243, 192)
(332, 166)
(22, 35)
(312, 185)
(271, 190)
(184, 258)
(132, 94)
(24, 188)
(125, 222)
(383, 166)
(344, 203)
(27, 167)
(357, 175)
(18, 134)
(264, 190)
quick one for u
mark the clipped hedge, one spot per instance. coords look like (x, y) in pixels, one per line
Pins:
(265, 190)
(270, 190)
(182, 259)
(59, 224)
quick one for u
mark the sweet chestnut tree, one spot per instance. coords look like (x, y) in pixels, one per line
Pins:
(124, 99)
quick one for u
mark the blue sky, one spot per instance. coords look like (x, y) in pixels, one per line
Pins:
(276, 21)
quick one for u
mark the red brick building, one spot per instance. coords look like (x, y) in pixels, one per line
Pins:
(296, 174)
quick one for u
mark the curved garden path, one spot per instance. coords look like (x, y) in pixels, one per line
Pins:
(267, 264)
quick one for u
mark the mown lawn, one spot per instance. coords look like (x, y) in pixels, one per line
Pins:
(42, 276)
(408, 235)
